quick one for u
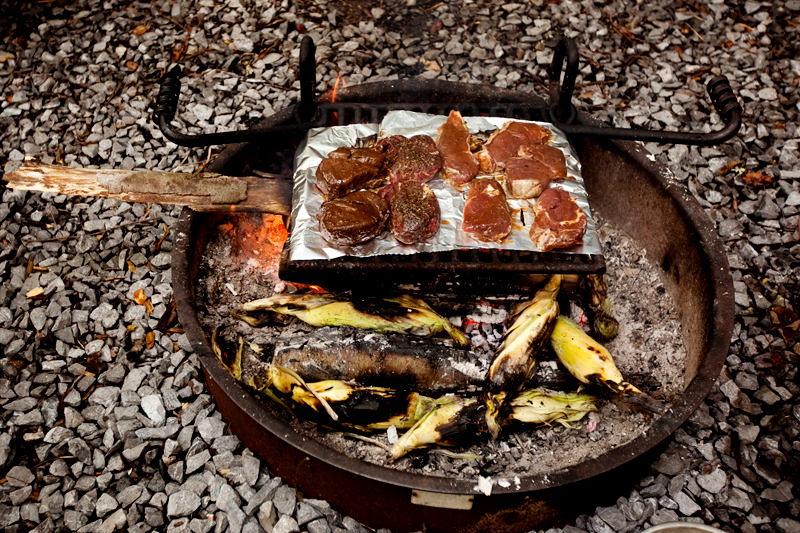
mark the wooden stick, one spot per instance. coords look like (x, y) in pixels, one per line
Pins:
(155, 187)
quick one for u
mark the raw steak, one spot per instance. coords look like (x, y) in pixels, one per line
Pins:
(532, 171)
(356, 218)
(410, 159)
(459, 166)
(415, 212)
(506, 142)
(558, 221)
(486, 214)
(346, 170)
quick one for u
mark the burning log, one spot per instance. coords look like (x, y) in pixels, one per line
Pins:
(205, 191)
(341, 353)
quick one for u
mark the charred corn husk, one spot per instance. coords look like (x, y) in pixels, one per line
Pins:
(363, 408)
(605, 326)
(231, 361)
(418, 406)
(585, 358)
(543, 406)
(514, 362)
(451, 418)
(367, 408)
(408, 314)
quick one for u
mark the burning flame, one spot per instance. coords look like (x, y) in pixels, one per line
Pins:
(257, 240)
(334, 120)
(339, 79)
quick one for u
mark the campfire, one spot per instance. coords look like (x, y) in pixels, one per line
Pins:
(668, 287)
(446, 493)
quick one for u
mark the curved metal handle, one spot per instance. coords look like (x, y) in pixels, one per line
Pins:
(306, 112)
(564, 115)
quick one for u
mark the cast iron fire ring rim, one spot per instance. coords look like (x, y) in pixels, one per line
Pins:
(719, 341)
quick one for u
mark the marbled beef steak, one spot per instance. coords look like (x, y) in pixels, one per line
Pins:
(486, 214)
(532, 171)
(460, 165)
(506, 142)
(558, 221)
(353, 219)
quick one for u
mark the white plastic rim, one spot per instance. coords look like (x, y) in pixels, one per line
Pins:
(682, 527)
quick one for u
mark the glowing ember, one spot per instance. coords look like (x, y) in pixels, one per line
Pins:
(257, 241)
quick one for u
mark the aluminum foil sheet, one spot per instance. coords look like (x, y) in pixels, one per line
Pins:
(307, 243)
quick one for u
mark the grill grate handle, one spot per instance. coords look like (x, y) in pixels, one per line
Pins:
(306, 113)
(565, 116)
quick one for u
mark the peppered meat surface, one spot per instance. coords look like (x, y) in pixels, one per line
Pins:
(353, 219)
(506, 142)
(558, 221)
(459, 165)
(415, 212)
(487, 217)
(532, 171)
(346, 170)
(410, 159)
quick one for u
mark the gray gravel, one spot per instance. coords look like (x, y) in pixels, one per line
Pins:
(102, 431)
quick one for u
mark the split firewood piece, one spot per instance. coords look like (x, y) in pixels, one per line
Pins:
(205, 191)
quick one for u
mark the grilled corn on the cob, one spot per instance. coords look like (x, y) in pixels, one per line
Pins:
(409, 314)
(451, 418)
(585, 358)
(514, 362)
(543, 406)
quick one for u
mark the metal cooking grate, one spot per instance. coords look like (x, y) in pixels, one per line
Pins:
(438, 269)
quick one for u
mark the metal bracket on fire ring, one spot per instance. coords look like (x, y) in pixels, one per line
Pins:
(460, 502)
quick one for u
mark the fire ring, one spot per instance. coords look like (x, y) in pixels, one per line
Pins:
(628, 188)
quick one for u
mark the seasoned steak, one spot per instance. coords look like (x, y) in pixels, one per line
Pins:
(558, 221)
(415, 212)
(530, 173)
(348, 169)
(410, 159)
(506, 142)
(459, 165)
(368, 156)
(353, 219)
(486, 214)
